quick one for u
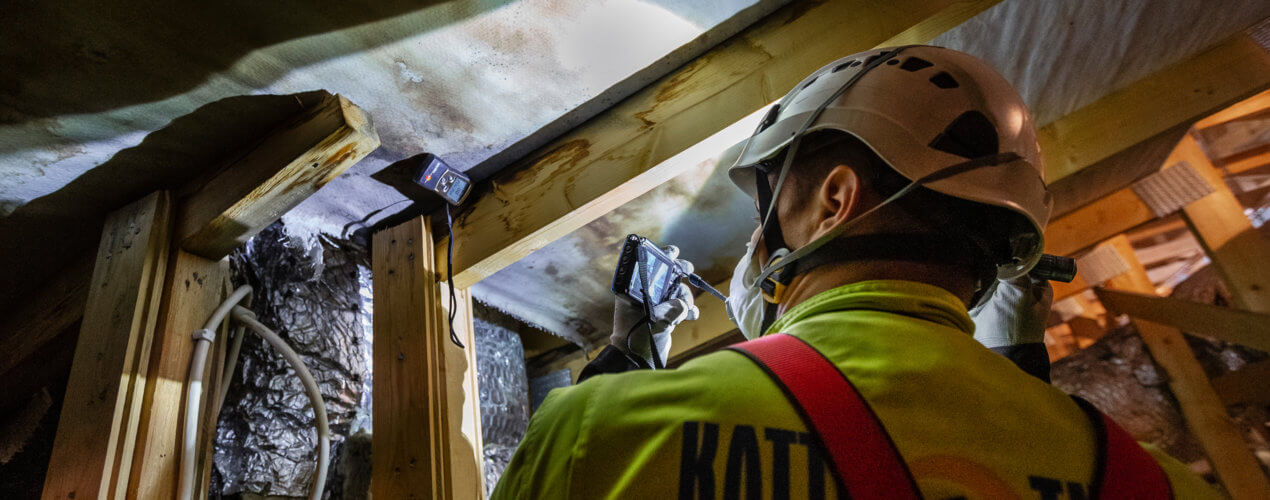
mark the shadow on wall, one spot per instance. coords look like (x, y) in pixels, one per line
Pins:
(85, 56)
(41, 237)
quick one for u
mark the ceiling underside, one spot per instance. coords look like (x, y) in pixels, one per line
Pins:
(464, 80)
(1061, 55)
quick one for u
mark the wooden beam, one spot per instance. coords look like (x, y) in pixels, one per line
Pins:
(1204, 412)
(272, 177)
(1246, 386)
(637, 145)
(1231, 325)
(254, 189)
(90, 454)
(1237, 249)
(1095, 222)
(1245, 163)
(1188, 89)
(193, 289)
(427, 419)
(1258, 102)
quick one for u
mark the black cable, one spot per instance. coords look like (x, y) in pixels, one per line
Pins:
(449, 269)
(648, 314)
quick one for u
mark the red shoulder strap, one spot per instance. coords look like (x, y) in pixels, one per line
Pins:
(1123, 469)
(860, 452)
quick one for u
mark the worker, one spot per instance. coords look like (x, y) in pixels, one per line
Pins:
(896, 190)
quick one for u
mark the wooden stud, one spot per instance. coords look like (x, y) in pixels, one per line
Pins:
(402, 443)
(92, 451)
(1204, 412)
(274, 176)
(1192, 88)
(426, 406)
(1238, 251)
(193, 289)
(466, 455)
(633, 147)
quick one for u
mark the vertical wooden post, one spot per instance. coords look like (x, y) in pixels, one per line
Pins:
(193, 289)
(1203, 410)
(426, 406)
(96, 433)
(466, 447)
(1238, 251)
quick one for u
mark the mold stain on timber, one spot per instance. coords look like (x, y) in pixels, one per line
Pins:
(677, 85)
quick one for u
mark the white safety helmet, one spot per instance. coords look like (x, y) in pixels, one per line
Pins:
(923, 110)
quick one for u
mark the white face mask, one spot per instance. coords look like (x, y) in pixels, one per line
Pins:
(745, 302)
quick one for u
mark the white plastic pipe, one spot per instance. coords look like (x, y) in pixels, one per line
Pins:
(194, 390)
(246, 317)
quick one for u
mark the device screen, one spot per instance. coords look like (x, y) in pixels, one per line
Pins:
(660, 277)
(456, 190)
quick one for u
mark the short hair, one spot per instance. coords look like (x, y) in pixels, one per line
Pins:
(987, 227)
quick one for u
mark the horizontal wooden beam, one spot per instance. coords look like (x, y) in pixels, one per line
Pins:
(1185, 90)
(1231, 325)
(1095, 222)
(1254, 104)
(272, 177)
(641, 142)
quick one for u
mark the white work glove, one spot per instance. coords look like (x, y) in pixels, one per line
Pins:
(628, 313)
(1015, 314)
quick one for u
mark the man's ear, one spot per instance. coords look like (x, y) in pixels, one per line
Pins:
(838, 200)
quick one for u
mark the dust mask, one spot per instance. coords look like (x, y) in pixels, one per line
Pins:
(745, 302)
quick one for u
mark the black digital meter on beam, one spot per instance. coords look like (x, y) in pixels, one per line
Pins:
(442, 179)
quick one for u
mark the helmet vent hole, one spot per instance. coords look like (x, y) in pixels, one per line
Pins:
(893, 62)
(872, 58)
(809, 82)
(971, 135)
(855, 63)
(914, 64)
(944, 80)
(842, 66)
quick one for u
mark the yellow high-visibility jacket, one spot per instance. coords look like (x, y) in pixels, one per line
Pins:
(966, 420)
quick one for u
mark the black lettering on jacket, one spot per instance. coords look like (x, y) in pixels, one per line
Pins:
(815, 467)
(696, 463)
(1048, 488)
(781, 439)
(743, 461)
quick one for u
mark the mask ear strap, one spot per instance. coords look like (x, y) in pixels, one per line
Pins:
(773, 239)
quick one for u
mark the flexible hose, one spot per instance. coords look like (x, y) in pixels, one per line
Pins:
(246, 317)
(194, 389)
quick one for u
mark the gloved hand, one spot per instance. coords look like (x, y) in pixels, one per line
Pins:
(1015, 314)
(627, 315)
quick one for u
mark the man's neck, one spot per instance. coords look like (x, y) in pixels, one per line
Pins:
(956, 280)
